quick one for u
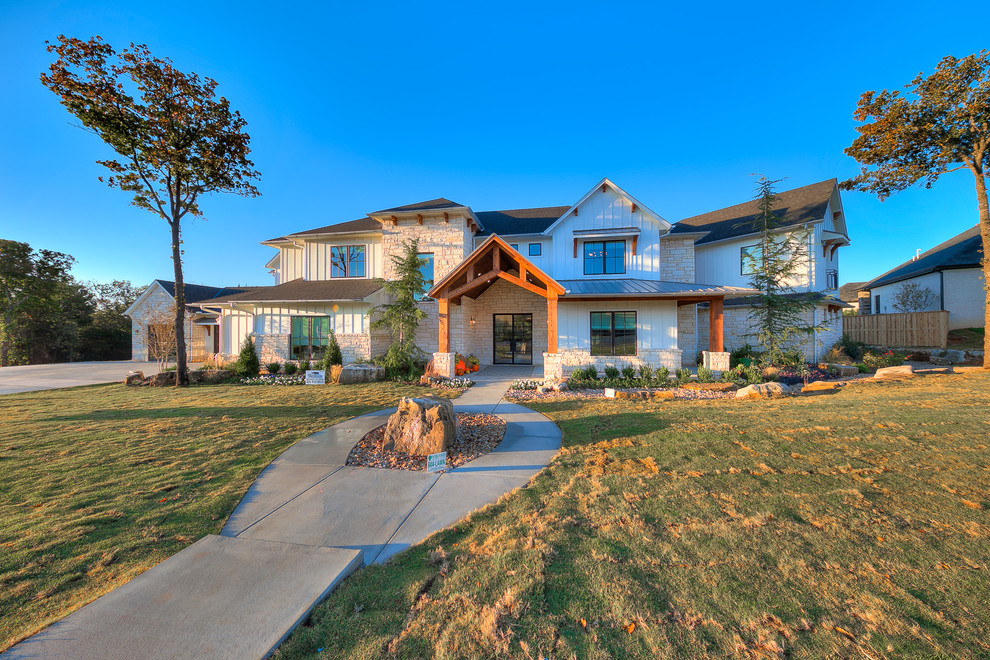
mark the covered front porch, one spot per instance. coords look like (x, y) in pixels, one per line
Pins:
(499, 307)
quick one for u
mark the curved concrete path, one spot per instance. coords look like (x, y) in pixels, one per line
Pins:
(303, 526)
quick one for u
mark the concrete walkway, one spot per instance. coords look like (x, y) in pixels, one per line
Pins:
(33, 377)
(303, 526)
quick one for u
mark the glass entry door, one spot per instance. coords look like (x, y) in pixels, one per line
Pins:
(513, 338)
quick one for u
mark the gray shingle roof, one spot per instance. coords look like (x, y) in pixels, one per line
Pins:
(633, 287)
(519, 221)
(794, 207)
(429, 205)
(317, 291)
(963, 250)
(199, 292)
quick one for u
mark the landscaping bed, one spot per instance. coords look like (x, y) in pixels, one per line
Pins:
(476, 436)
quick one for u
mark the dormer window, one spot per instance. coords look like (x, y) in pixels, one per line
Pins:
(347, 261)
(604, 257)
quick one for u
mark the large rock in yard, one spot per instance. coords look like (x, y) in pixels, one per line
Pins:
(421, 426)
(822, 386)
(843, 370)
(360, 373)
(955, 357)
(134, 378)
(163, 379)
(764, 391)
(903, 371)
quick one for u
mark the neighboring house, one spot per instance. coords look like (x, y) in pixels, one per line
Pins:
(156, 304)
(952, 271)
(602, 281)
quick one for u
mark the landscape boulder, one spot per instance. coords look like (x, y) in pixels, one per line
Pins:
(359, 373)
(903, 371)
(421, 426)
(764, 391)
(843, 370)
(162, 379)
(822, 386)
(134, 378)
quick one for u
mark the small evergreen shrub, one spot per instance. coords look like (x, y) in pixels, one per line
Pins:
(248, 364)
(854, 349)
(629, 372)
(290, 368)
(590, 372)
(683, 375)
(646, 374)
(706, 375)
(745, 354)
(332, 355)
(273, 367)
(611, 373)
(875, 361)
(662, 376)
(305, 366)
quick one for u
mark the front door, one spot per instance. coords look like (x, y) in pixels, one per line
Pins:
(513, 338)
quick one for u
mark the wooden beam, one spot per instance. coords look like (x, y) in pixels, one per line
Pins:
(633, 209)
(419, 218)
(604, 187)
(526, 285)
(395, 221)
(444, 317)
(522, 272)
(552, 322)
(446, 217)
(497, 258)
(715, 340)
(635, 238)
(575, 210)
(575, 246)
(461, 290)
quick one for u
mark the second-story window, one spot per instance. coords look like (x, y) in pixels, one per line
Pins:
(831, 279)
(426, 268)
(347, 261)
(604, 257)
(535, 249)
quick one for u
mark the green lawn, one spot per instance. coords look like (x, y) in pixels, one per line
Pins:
(848, 525)
(98, 484)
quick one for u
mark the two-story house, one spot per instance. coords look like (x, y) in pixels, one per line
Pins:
(605, 280)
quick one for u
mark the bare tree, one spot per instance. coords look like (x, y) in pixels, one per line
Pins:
(913, 298)
(160, 338)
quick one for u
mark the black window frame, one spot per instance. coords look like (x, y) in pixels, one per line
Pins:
(539, 249)
(320, 344)
(605, 257)
(752, 258)
(831, 279)
(594, 347)
(348, 260)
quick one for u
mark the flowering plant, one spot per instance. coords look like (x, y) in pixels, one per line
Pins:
(281, 379)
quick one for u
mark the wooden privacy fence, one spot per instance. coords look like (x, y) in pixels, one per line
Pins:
(912, 329)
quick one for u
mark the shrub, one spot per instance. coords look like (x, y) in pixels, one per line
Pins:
(248, 364)
(706, 375)
(305, 365)
(332, 355)
(273, 367)
(875, 361)
(590, 372)
(745, 354)
(290, 368)
(729, 376)
(854, 349)
(629, 372)
(646, 374)
(682, 375)
(662, 376)
(611, 373)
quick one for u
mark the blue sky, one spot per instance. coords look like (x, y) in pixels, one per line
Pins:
(353, 107)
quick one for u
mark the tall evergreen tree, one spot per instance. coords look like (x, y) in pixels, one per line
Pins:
(779, 313)
(403, 315)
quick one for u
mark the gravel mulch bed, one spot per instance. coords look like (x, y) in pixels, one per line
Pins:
(679, 393)
(476, 435)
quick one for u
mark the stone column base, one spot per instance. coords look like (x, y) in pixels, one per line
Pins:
(443, 364)
(553, 366)
(716, 361)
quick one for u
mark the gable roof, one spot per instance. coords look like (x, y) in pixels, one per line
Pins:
(351, 226)
(429, 205)
(621, 193)
(519, 221)
(849, 292)
(963, 250)
(794, 207)
(199, 292)
(300, 290)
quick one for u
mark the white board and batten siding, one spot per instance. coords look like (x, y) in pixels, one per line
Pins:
(290, 265)
(721, 263)
(604, 210)
(317, 256)
(656, 323)
(349, 318)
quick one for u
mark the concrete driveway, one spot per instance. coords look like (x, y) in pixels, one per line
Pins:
(33, 377)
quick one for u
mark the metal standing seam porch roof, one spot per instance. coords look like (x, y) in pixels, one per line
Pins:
(633, 287)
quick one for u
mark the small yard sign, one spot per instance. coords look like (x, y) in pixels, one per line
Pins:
(436, 462)
(316, 377)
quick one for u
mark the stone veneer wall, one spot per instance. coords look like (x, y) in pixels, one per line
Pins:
(736, 330)
(500, 298)
(660, 357)
(677, 259)
(687, 332)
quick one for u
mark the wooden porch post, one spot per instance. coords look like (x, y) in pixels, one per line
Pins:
(552, 322)
(715, 343)
(444, 314)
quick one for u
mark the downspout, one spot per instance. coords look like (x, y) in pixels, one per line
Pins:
(941, 290)
(814, 334)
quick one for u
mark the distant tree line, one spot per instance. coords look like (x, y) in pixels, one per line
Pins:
(46, 315)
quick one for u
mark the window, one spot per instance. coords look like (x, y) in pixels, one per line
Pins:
(613, 333)
(426, 268)
(347, 261)
(514, 246)
(607, 257)
(876, 304)
(749, 259)
(831, 279)
(309, 337)
(535, 249)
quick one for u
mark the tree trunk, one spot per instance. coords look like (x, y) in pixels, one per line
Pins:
(981, 199)
(181, 370)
